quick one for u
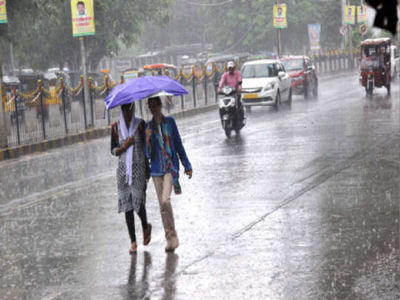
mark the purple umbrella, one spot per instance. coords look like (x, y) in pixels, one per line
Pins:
(141, 88)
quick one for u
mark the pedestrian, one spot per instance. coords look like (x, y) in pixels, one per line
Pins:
(128, 143)
(164, 148)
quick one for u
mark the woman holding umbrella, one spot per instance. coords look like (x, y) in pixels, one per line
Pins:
(127, 142)
(164, 147)
(127, 93)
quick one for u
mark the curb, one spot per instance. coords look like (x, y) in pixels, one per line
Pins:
(337, 75)
(16, 152)
(194, 111)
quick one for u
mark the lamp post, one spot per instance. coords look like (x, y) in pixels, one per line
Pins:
(3, 128)
(279, 37)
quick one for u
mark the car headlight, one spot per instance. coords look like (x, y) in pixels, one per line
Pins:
(269, 86)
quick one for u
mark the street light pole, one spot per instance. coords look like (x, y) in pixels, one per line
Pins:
(350, 33)
(3, 123)
(85, 75)
(12, 59)
(362, 4)
(279, 37)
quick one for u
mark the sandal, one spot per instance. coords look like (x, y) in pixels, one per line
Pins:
(133, 249)
(147, 235)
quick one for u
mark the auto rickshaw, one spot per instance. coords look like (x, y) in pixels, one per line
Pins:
(11, 84)
(160, 69)
(29, 83)
(375, 64)
(132, 73)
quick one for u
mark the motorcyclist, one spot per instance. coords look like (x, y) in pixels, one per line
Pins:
(233, 78)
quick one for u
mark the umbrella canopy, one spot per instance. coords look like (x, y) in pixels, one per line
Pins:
(141, 88)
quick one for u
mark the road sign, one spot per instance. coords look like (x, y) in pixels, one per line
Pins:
(343, 30)
(363, 28)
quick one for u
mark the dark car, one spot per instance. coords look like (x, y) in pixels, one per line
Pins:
(303, 75)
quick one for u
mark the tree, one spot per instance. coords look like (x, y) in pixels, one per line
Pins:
(41, 31)
(247, 25)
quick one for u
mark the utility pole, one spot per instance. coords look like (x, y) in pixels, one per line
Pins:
(85, 77)
(350, 33)
(362, 4)
(12, 59)
(279, 37)
(344, 36)
(3, 124)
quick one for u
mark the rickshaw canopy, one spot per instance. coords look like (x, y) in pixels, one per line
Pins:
(376, 42)
(11, 80)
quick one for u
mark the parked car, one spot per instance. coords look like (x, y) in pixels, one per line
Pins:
(265, 83)
(395, 62)
(303, 75)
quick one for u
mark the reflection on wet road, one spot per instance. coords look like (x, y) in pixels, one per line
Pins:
(304, 204)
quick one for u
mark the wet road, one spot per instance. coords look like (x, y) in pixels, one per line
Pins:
(303, 205)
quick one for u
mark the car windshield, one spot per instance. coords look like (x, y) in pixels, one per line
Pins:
(293, 64)
(370, 58)
(259, 71)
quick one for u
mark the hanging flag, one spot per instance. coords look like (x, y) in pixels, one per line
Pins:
(280, 20)
(314, 32)
(350, 15)
(3, 12)
(362, 14)
(82, 17)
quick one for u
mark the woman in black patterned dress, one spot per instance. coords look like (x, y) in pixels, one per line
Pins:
(127, 142)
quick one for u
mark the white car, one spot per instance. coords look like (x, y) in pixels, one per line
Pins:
(395, 62)
(265, 83)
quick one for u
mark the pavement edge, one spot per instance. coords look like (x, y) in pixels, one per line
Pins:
(43, 146)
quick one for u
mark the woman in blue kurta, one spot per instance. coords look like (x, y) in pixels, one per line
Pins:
(164, 148)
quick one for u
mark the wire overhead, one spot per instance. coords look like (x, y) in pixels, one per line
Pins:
(208, 4)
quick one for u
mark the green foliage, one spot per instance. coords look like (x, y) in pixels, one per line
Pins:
(357, 37)
(246, 25)
(41, 30)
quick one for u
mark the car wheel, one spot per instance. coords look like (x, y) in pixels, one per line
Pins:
(290, 96)
(315, 91)
(306, 95)
(369, 89)
(277, 100)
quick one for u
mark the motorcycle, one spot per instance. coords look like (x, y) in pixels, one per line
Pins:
(231, 114)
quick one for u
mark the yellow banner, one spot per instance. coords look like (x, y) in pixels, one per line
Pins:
(82, 17)
(362, 14)
(280, 20)
(3, 12)
(350, 15)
